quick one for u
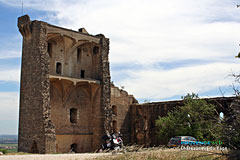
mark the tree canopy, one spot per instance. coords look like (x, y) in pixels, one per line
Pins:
(195, 118)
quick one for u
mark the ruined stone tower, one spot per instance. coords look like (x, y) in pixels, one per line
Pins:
(66, 99)
(65, 89)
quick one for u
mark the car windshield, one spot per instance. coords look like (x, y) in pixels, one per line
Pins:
(193, 139)
(185, 138)
(175, 139)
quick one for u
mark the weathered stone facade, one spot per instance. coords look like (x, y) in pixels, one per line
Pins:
(121, 103)
(35, 126)
(65, 89)
(67, 101)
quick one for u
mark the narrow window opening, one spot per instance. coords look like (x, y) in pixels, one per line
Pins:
(50, 49)
(114, 110)
(74, 147)
(95, 50)
(73, 115)
(59, 68)
(115, 126)
(79, 52)
(82, 73)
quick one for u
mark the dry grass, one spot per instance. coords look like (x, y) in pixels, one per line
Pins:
(18, 153)
(166, 154)
(137, 153)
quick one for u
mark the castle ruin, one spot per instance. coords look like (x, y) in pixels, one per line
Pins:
(67, 100)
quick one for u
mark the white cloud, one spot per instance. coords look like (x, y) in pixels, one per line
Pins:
(11, 46)
(10, 75)
(9, 105)
(9, 111)
(161, 84)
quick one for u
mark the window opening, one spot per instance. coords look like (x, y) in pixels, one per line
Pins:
(59, 68)
(95, 50)
(82, 74)
(79, 52)
(49, 49)
(114, 110)
(73, 115)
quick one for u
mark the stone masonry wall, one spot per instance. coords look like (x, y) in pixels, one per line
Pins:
(36, 132)
(105, 84)
(142, 121)
(121, 101)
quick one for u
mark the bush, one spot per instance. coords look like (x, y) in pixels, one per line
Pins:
(4, 151)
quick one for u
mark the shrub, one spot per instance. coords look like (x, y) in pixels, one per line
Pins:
(4, 151)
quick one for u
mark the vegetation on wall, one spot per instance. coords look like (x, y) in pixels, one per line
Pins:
(196, 118)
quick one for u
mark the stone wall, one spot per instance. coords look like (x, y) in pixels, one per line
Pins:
(105, 83)
(121, 101)
(36, 131)
(142, 118)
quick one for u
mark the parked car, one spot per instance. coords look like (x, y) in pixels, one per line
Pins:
(181, 140)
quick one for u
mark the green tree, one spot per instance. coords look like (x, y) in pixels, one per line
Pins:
(195, 118)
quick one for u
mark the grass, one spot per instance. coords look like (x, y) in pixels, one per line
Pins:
(9, 145)
(18, 153)
(166, 154)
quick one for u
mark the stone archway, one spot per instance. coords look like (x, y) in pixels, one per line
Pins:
(34, 148)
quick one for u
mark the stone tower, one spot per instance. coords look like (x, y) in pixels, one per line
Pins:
(65, 89)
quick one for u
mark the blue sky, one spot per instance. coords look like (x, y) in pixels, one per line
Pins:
(159, 49)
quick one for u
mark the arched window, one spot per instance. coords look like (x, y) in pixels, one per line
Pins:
(95, 50)
(34, 148)
(114, 110)
(115, 126)
(58, 68)
(73, 115)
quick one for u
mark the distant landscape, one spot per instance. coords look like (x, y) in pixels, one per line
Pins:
(8, 139)
(8, 143)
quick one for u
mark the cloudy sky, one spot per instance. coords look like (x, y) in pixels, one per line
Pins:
(159, 49)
